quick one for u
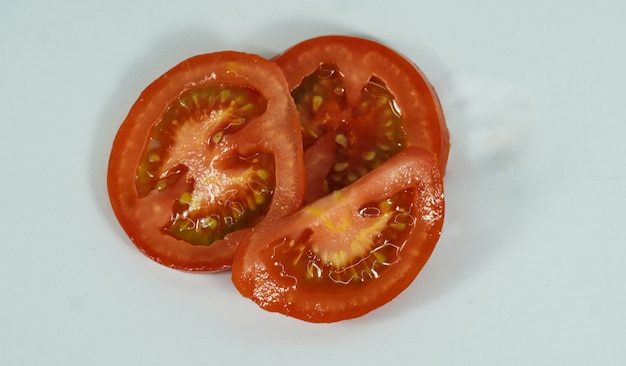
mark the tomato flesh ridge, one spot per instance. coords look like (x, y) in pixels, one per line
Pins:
(319, 159)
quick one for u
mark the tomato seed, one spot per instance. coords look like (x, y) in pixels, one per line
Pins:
(186, 198)
(161, 185)
(341, 140)
(316, 102)
(259, 199)
(368, 155)
(224, 94)
(248, 108)
(209, 222)
(340, 167)
(380, 257)
(217, 137)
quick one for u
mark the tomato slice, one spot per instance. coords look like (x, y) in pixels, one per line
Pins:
(370, 99)
(209, 150)
(351, 251)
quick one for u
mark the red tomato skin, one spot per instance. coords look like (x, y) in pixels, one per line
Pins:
(358, 59)
(258, 276)
(276, 131)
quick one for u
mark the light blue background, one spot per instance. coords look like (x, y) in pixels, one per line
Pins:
(530, 269)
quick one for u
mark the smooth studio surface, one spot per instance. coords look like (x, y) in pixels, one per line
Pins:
(530, 267)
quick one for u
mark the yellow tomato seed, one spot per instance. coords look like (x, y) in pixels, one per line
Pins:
(369, 155)
(186, 198)
(217, 137)
(263, 174)
(340, 167)
(342, 140)
(316, 103)
(162, 184)
(259, 199)
(224, 95)
(380, 257)
(152, 158)
(248, 108)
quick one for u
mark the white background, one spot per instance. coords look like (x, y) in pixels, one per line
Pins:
(530, 269)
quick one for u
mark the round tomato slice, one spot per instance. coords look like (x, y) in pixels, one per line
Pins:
(351, 251)
(209, 150)
(370, 99)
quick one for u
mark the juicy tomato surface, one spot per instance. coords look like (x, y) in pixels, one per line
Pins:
(351, 251)
(210, 149)
(359, 103)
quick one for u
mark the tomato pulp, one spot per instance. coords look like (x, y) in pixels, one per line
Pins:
(376, 146)
(210, 149)
(351, 251)
(316, 176)
(359, 103)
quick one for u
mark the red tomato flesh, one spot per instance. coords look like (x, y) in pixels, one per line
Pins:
(351, 251)
(209, 150)
(373, 101)
(317, 177)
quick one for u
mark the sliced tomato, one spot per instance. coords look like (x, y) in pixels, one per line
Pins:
(370, 99)
(351, 251)
(209, 150)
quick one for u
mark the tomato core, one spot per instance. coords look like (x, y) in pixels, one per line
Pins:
(223, 192)
(181, 133)
(223, 202)
(384, 229)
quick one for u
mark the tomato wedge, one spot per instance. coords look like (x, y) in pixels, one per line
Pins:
(372, 101)
(351, 251)
(209, 150)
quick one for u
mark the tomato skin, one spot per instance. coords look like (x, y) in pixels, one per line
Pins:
(275, 132)
(260, 272)
(358, 59)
